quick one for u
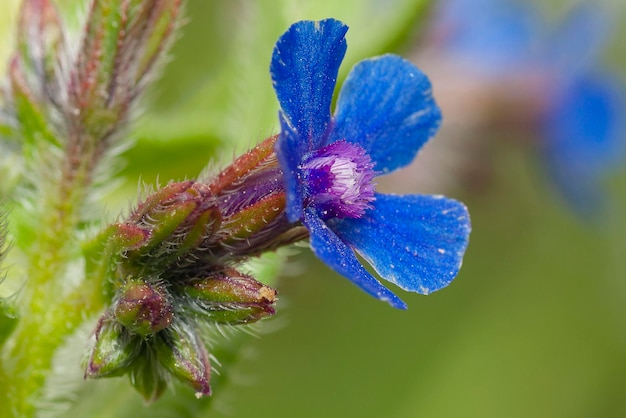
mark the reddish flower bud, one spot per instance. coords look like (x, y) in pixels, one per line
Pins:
(143, 308)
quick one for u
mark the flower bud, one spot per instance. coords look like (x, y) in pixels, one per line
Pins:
(143, 308)
(177, 219)
(181, 351)
(125, 237)
(231, 297)
(255, 217)
(113, 351)
(40, 49)
(121, 43)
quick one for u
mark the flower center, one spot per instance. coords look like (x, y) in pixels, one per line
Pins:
(338, 180)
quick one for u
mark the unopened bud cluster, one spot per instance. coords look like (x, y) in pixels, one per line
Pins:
(173, 266)
(177, 271)
(152, 330)
(70, 94)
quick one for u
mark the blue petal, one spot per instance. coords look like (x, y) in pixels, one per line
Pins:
(289, 151)
(386, 106)
(336, 254)
(584, 139)
(304, 69)
(415, 241)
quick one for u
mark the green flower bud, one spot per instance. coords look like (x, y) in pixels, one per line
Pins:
(113, 351)
(255, 217)
(177, 219)
(143, 308)
(121, 43)
(231, 297)
(182, 353)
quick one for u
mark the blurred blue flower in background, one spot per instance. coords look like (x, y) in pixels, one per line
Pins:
(384, 114)
(574, 108)
(494, 36)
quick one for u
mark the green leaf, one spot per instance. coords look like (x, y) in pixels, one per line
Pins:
(31, 114)
(40, 44)
(8, 319)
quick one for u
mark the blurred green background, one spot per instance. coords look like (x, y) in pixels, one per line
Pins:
(534, 325)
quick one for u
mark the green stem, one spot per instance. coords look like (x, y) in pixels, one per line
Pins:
(51, 313)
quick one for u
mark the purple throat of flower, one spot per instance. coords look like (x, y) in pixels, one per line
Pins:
(338, 180)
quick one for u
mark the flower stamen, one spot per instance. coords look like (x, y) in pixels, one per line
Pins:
(339, 179)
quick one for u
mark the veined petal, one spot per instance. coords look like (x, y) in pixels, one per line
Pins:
(329, 248)
(386, 106)
(304, 69)
(415, 241)
(289, 151)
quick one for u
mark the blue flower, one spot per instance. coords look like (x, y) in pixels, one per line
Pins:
(492, 36)
(580, 124)
(583, 125)
(385, 112)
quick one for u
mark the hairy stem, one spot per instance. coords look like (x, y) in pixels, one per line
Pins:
(51, 312)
